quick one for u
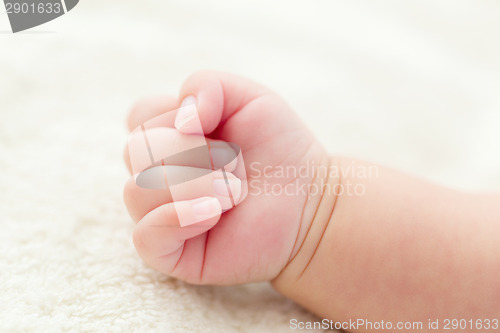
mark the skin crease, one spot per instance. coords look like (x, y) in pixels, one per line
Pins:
(404, 250)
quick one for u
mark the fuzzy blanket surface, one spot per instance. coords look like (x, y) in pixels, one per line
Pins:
(412, 85)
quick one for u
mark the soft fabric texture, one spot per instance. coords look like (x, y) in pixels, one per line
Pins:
(411, 85)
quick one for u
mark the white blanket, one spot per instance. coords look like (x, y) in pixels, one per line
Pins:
(415, 86)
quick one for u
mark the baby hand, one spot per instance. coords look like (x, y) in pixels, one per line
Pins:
(193, 237)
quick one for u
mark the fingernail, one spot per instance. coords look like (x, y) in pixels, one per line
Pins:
(186, 113)
(230, 189)
(205, 208)
(188, 100)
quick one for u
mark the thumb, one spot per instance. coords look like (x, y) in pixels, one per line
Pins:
(216, 96)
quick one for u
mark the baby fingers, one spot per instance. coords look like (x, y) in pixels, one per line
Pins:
(160, 236)
(195, 183)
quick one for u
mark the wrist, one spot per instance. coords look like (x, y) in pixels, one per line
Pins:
(316, 215)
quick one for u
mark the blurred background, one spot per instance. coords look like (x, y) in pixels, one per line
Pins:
(413, 85)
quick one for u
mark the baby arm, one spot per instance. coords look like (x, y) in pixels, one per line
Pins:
(392, 248)
(399, 250)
